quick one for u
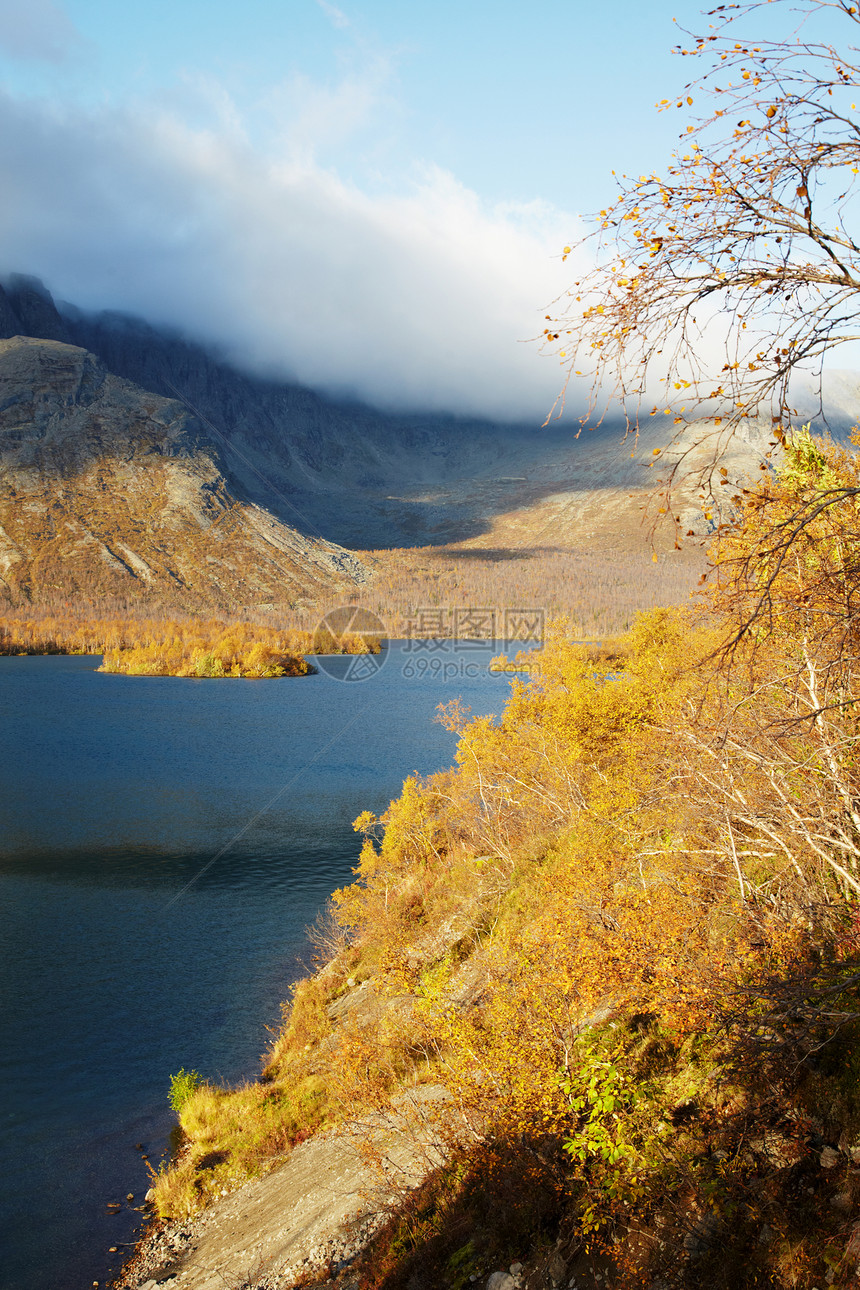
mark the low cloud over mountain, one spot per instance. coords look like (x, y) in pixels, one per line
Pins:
(416, 299)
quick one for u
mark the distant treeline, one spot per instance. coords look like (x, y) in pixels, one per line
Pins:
(419, 592)
(414, 591)
(598, 592)
(168, 647)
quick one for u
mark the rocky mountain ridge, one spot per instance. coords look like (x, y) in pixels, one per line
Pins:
(331, 468)
(348, 472)
(277, 475)
(110, 490)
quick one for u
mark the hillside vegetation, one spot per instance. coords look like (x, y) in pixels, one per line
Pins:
(622, 936)
(598, 588)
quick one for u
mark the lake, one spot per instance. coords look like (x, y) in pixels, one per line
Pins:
(164, 843)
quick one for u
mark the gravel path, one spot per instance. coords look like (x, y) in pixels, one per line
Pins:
(316, 1210)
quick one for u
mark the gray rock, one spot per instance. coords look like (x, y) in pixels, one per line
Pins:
(829, 1158)
(776, 1148)
(556, 1268)
(701, 1237)
(501, 1281)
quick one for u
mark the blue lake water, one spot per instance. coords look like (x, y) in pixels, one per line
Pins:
(163, 845)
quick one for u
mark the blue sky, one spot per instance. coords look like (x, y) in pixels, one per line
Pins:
(370, 197)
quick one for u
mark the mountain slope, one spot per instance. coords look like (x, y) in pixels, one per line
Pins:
(360, 476)
(107, 489)
(374, 480)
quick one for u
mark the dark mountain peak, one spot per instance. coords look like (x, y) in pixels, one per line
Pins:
(27, 309)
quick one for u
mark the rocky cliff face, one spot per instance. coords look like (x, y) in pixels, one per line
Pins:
(108, 489)
(351, 474)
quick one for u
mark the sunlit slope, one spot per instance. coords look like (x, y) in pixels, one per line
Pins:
(106, 489)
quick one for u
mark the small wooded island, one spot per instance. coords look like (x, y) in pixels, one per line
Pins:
(189, 648)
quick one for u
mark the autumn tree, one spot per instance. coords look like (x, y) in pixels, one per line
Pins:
(712, 285)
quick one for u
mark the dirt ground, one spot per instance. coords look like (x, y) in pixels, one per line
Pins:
(314, 1211)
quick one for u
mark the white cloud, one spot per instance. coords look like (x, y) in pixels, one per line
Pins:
(421, 298)
(306, 118)
(336, 16)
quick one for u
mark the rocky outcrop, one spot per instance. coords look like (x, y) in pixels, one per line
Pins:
(27, 309)
(108, 489)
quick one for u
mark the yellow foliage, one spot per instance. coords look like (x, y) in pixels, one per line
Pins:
(620, 839)
(654, 849)
(192, 647)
